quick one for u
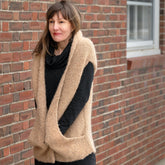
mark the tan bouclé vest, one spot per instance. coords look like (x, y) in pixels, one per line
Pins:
(48, 142)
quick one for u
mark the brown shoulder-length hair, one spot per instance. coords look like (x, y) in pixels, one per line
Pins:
(69, 12)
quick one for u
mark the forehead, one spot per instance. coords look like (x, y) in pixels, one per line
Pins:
(57, 16)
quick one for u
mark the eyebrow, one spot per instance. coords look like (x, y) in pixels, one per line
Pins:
(58, 18)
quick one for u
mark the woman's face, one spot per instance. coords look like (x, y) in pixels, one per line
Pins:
(60, 28)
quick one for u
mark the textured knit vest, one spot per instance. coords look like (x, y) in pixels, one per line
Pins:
(48, 142)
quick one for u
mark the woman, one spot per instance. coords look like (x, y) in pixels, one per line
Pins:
(63, 68)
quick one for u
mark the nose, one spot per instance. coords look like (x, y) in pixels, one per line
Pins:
(55, 26)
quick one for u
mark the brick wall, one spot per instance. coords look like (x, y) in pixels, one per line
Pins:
(128, 110)
(162, 26)
(20, 26)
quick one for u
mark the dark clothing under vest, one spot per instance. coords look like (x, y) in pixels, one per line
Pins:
(54, 69)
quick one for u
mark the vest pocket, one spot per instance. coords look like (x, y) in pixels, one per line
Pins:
(77, 129)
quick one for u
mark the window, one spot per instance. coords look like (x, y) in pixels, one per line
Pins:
(142, 28)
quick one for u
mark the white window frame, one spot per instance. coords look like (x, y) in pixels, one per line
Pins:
(146, 48)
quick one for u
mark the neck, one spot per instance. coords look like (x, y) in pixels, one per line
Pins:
(60, 48)
(62, 45)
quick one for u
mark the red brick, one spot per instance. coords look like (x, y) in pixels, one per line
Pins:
(101, 17)
(4, 15)
(25, 125)
(27, 162)
(5, 78)
(89, 17)
(25, 135)
(16, 128)
(26, 115)
(5, 26)
(16, 46)
(5, 5)
(36, 25)
(25, 75)
(34, 36)
(26, 36)
(35, 6)
(6, 141)
(15, 107)
(6, 160)
(16, 56)
(6, 89)
(7, 120)
(17, 67)
(89, 1)
(16, 16)
(6, 152)
(34, 15)
(44, 6)
(26, 6)
(6, 99)
(32, 45)
(16, 148)
(16, 26)
(25, 16)
(26, 55)
(25, 95)
(26, 45)
(95, 25)
(26, 65)
(5, 37)
(42, 16)
(15, 6)
(27, 154)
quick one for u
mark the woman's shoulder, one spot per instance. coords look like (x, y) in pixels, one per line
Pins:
(82, 41)
(86, 42)
(86, 48)
(85, 45)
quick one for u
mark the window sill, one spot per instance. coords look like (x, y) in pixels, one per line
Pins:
(145, 62)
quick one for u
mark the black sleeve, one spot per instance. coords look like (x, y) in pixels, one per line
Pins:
(79, 100)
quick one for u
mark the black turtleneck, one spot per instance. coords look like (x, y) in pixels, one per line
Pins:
(54, 69)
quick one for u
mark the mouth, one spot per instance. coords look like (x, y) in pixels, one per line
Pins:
(56, 34)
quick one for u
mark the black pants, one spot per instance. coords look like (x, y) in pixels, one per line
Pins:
(89, 160)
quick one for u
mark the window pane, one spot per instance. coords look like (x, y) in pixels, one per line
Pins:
(140, 21)
(144, 23)
(143, 27)
(132, 30)
(141, 0)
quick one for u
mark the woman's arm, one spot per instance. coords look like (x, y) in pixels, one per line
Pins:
(79, 100)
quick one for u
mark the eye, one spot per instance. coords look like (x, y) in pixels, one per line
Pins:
(61, 21)
(51, 21)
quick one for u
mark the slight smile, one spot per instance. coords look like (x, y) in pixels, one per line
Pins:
(55, 34)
